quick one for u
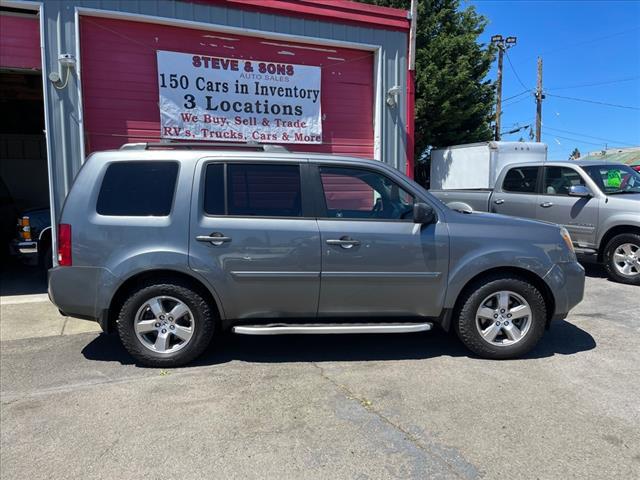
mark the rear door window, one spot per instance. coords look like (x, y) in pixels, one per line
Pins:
(264, 190)
(521, 180)
(138, 189)
(214, 190)
(261, 190)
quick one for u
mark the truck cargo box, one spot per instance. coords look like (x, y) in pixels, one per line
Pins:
(477, 165)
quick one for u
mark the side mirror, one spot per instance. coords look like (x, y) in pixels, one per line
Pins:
(579, 191)
(423, 213)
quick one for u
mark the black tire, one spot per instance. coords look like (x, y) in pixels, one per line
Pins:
(203, 323)
(609, 261)
(477, 293)
(46, 260)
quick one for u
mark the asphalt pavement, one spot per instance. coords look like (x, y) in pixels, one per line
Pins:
(328, 407)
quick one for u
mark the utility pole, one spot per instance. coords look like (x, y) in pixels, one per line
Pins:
(502, 45)
(539, 98)
(499, 93)
(411, 89)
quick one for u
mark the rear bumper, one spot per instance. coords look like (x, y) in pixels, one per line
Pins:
(25, 251)
(80, 291)
(566, 281)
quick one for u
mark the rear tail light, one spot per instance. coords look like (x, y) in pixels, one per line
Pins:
(24, 229)
(64, 245)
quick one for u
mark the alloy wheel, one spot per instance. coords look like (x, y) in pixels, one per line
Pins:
(626, 259)
(503, 318)
(164, 324)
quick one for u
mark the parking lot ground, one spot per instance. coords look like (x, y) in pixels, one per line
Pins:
(369, 406)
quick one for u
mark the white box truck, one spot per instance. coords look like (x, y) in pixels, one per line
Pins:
(477, 165)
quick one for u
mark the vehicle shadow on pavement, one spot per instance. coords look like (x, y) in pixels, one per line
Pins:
(563, 338)
(594, 270)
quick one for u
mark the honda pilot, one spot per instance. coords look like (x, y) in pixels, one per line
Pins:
(170, 246)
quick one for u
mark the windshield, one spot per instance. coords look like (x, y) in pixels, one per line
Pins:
(613, 179)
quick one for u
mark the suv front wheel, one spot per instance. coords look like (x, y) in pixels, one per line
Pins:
(501, 317)
(165, 324)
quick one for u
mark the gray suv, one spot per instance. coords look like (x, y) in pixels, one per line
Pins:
(170, 246)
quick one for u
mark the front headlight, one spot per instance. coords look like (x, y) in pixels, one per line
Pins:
(567, 239)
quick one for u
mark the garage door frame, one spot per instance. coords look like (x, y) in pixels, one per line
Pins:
(135, 17)
(38, 7)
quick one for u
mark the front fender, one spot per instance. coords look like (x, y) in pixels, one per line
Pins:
(623, 219)
(481, 260)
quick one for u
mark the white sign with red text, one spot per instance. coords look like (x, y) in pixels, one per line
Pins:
(235, 100)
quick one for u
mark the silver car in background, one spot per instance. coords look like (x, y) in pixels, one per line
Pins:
(171, 246)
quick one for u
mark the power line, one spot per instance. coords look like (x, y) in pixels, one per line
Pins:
(565, 47)
(589, 136)
(608, 82)
(516, 96)
(515, 130)
(516, 101)
(522, 122)
(516, 73)
(594, 101)
(576, 140)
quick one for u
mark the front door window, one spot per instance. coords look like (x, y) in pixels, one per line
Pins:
(363, 194)
(559, 180)
(375, 260)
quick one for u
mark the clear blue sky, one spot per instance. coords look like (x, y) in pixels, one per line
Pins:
(590, 50)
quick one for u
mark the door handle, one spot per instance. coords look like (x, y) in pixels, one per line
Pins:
(344, 242)
(499, 201)
(546, 204)
(215, 238)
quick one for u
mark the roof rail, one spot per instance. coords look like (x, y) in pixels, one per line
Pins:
(203, 145)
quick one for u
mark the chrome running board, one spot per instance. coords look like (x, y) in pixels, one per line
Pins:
(585, 251)
(329, 328)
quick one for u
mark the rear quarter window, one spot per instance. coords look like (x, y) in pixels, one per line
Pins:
(138, 189)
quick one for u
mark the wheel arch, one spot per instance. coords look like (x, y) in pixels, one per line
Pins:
(44, 240)
(108, 318)
(611, 233)
(527, 275)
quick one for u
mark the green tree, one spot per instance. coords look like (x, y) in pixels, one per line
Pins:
(575, 154)
(454, 98)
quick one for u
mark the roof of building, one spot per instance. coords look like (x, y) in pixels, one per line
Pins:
(341, 11)
(628, 156)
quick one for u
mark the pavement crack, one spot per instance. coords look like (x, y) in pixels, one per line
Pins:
(64, 325)
(107, 450)
(368, 406)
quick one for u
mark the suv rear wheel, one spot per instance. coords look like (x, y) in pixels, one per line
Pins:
(165, 324)
(622, 258)
(501, 317)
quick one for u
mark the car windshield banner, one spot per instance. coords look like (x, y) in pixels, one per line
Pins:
(237, 100)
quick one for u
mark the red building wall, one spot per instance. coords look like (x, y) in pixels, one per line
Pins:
(20, 42)
(120, 86)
